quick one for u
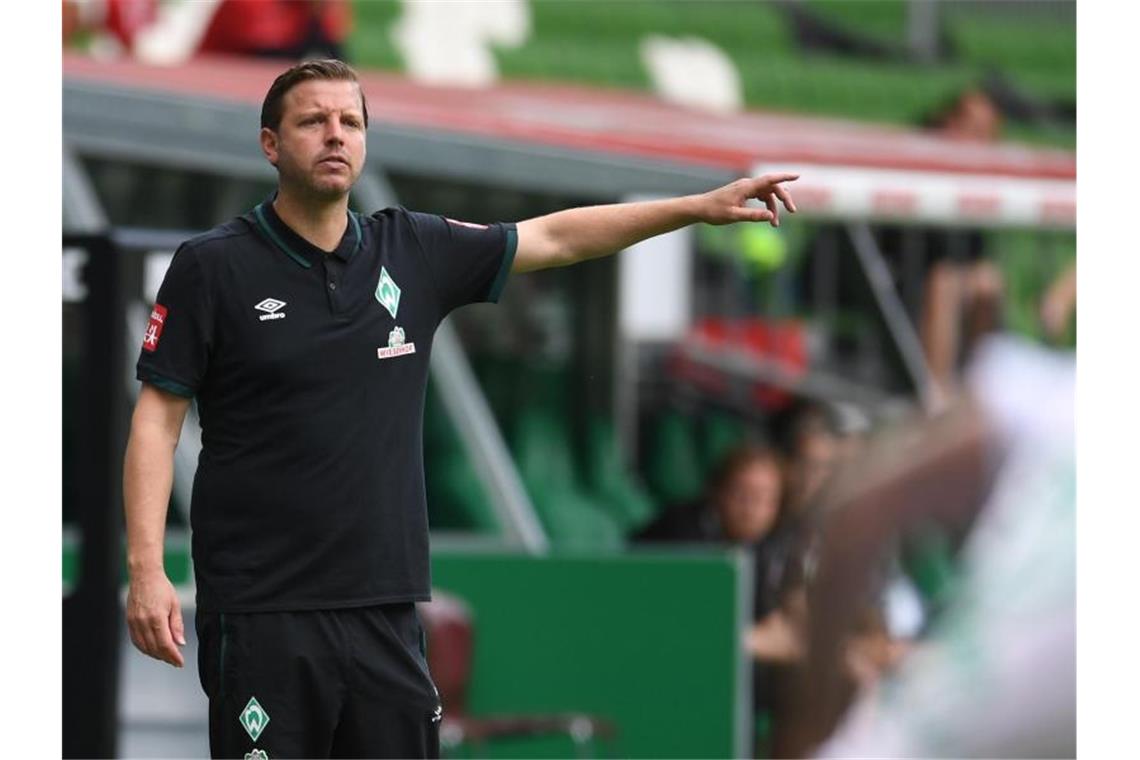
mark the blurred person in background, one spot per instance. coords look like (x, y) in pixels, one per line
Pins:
(811, 448)
(962, 297)
(816, 439)
(740, 506)
(813, 445)
(303, 332)
(750, 503)
(962, 288)
(1059, 304)
(745, 498)
(294, 29)
(965, 290)
(994, 673)
(173, 32)
(970, 116)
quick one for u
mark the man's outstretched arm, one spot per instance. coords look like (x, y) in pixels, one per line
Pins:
(154, 616)
(577, 234)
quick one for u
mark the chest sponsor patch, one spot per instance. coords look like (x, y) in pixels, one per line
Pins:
(154, 327)
(396, 345)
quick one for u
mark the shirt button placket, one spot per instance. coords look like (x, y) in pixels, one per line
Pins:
(332, 278)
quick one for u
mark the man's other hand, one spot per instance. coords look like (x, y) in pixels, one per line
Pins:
(154, 617)
(726, 205)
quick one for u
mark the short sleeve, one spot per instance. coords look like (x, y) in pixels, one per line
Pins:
(176, 344)
(468, 262)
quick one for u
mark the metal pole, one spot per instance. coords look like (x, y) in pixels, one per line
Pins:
(91, 615)
(894, 314)
(922, 29)
(467, 406)
(82, 211)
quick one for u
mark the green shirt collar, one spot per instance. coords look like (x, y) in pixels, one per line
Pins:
(298, 248)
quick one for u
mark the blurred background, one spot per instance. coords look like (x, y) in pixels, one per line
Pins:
(736, 492)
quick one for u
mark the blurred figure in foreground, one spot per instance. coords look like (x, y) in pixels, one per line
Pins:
(995, 674)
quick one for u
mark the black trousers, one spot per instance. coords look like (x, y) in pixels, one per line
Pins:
(322, 683)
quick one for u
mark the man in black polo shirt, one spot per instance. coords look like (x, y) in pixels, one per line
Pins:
(303, 331)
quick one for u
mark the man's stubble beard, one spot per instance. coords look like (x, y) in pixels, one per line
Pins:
(303, 184)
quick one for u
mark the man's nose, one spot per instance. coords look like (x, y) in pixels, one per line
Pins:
(334, 132)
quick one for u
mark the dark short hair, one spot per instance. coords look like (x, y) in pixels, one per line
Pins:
(327, 68)
(740, 459)
(805, 419)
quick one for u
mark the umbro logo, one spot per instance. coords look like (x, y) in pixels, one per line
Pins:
(272, 308)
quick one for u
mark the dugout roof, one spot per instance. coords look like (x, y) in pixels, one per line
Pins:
(585, 141)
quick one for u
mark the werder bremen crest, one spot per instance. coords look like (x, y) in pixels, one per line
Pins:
(388, 292)
(253, 718)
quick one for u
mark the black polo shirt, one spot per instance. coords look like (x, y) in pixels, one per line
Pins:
(309, 371)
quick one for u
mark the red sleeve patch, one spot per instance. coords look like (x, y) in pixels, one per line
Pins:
(154, 327)
(472, 225)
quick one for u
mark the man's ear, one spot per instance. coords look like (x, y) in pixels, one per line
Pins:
(268, 140)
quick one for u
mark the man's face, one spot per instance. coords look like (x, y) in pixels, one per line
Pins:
(816, 458)
(750, 502)
(319, 146)
(974, 118)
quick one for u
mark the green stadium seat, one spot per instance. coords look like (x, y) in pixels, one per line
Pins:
(610, 480)
(674, 471)
(572, 519)
(456, 497)
(499, 377)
